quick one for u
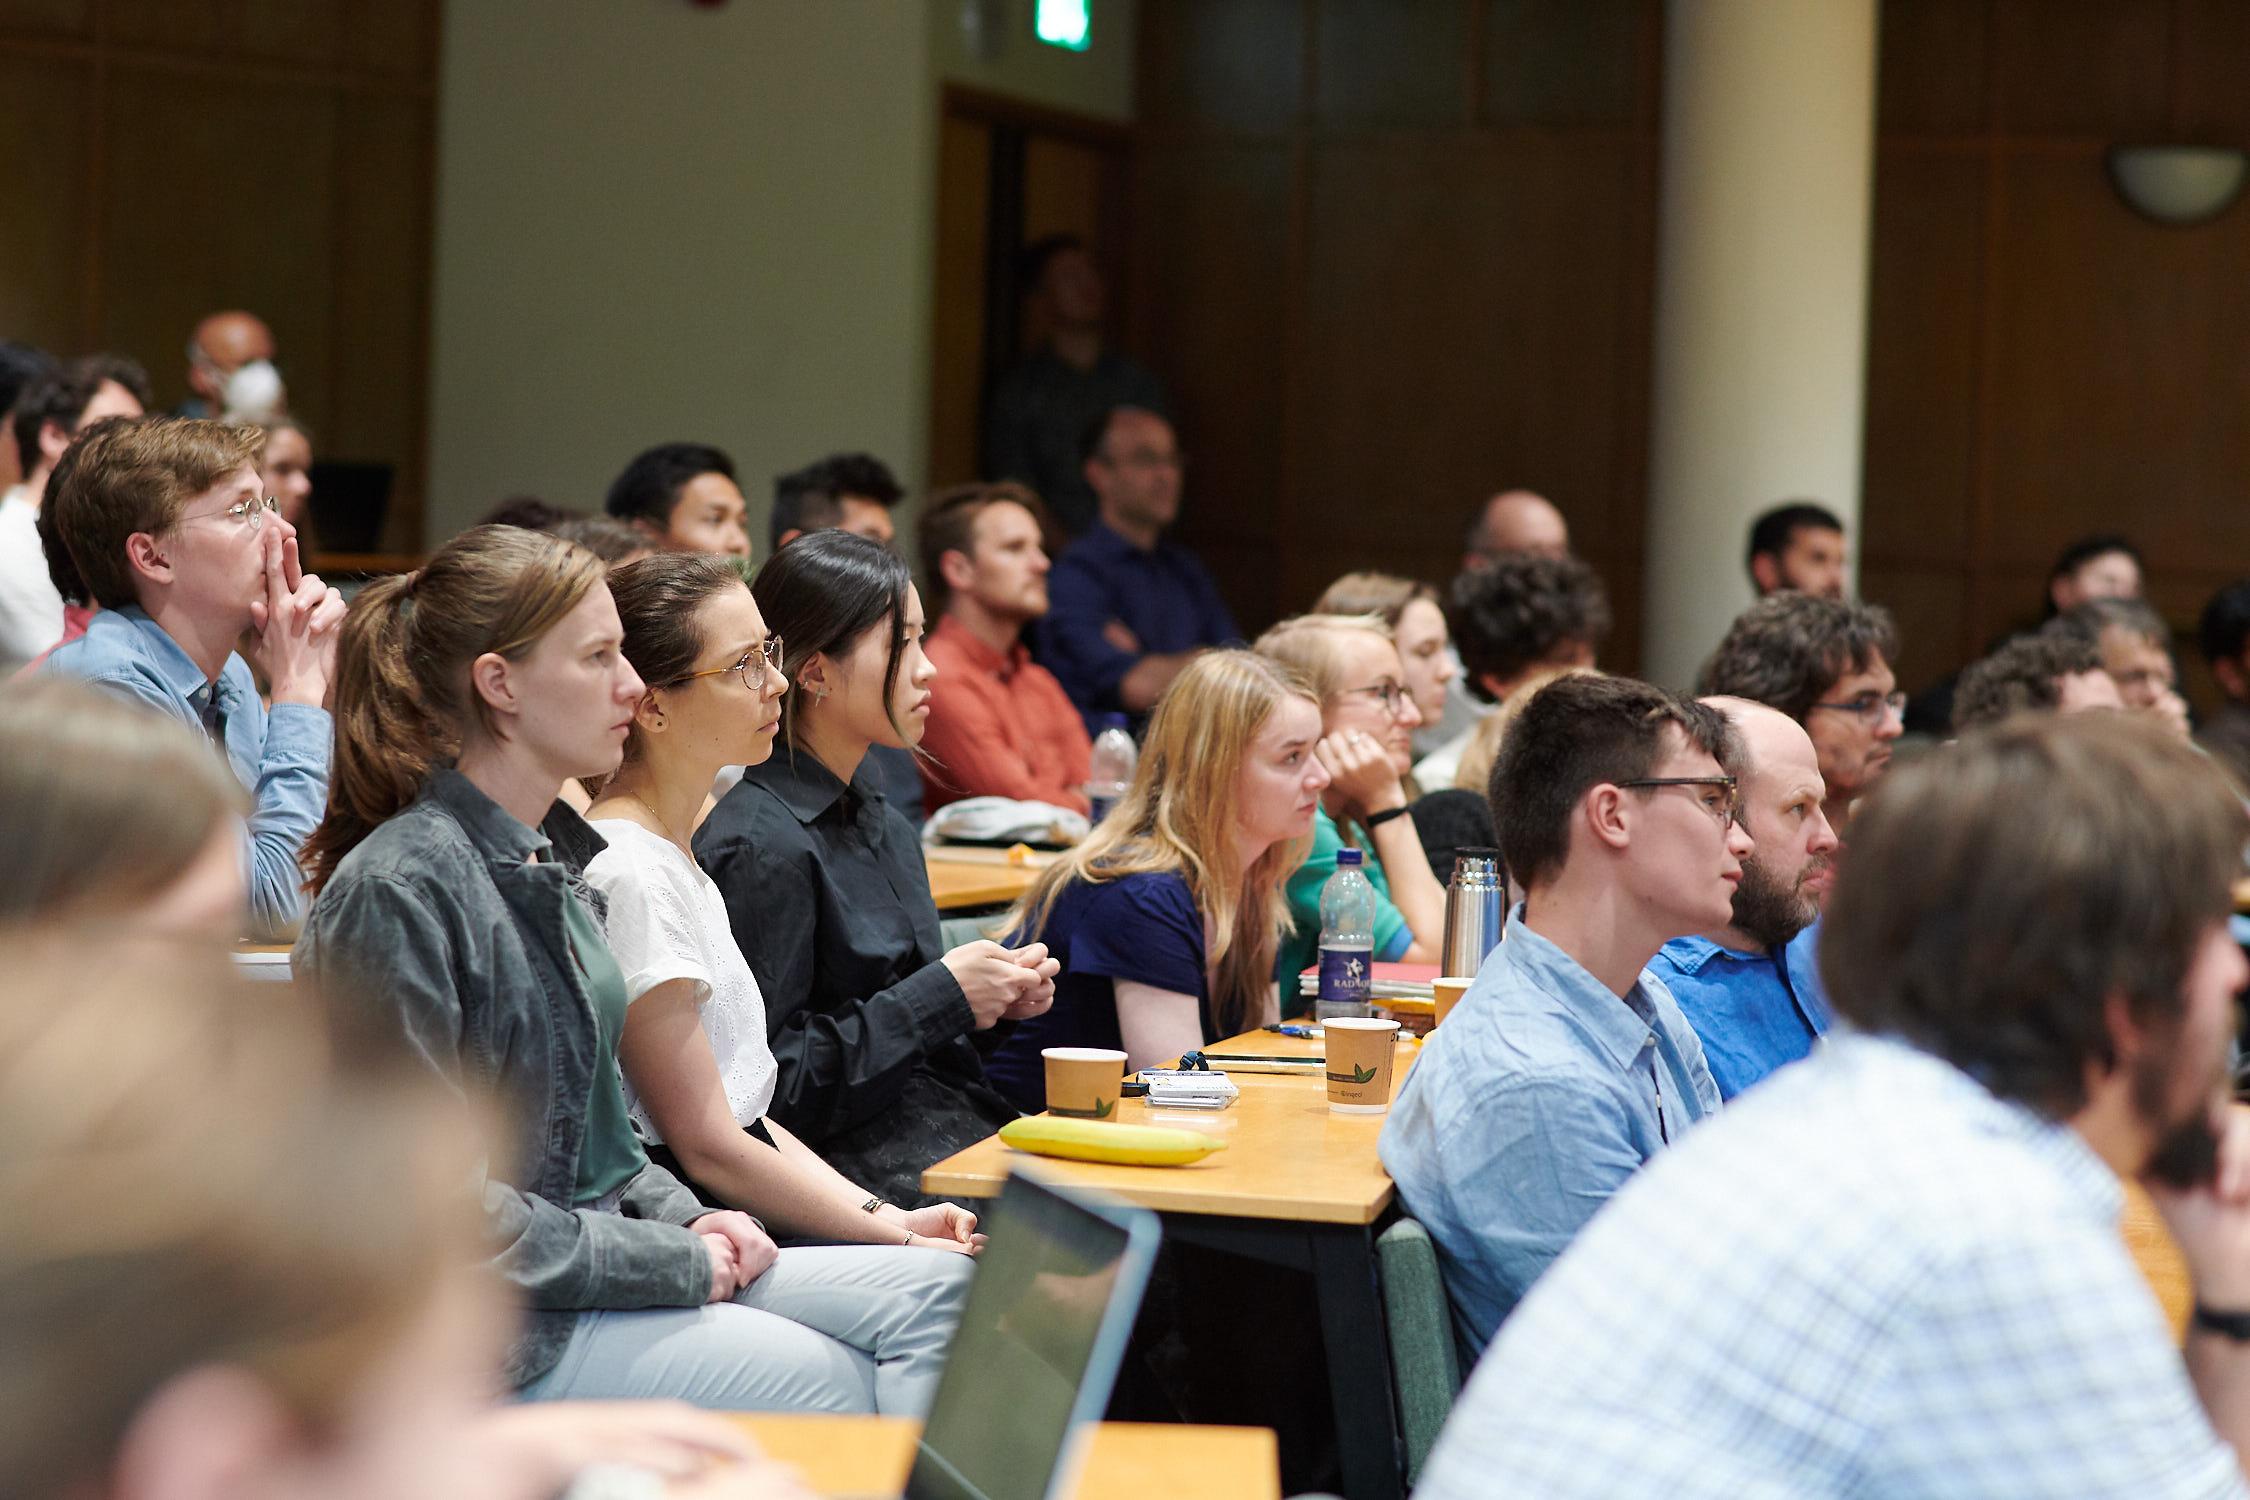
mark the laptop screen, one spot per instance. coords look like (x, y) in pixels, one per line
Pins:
(1055, 1294)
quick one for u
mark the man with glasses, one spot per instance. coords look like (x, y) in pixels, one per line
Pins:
(1827, 664)
(1130, 609)
(1749, 986)
(162, 522)
(1568, 1064)
(2136, 651)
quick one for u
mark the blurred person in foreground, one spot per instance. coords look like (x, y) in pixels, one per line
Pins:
(1895, 1268)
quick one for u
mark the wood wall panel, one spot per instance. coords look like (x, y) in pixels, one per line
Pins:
(1432, 283)
(2044, 363)
(1389, 62)
(1569, 62)
(169, 158)
(957, 345)
(48, 198)
(2071, 66)
(1220, 64)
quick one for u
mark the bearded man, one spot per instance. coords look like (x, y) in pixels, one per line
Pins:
(1750, 989)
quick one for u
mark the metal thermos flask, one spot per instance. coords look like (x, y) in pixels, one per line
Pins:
(1476, 911)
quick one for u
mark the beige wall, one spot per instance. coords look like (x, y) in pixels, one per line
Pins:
(661, 222)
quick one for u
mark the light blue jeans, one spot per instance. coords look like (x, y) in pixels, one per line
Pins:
(844, 1328)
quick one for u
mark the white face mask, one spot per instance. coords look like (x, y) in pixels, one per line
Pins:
(254, 394)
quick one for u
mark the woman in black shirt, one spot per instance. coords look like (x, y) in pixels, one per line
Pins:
(829, 898)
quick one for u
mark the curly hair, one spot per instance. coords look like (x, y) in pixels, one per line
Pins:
(1522, 611)
(1789, 649)
(2024, 674)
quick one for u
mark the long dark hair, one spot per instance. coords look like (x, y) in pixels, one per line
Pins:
(821, 593)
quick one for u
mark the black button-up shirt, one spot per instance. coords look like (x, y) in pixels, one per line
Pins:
(830, 903)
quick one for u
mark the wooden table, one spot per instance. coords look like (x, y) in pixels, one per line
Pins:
(966, 880)
(1129, 1460)
(1297, 1186)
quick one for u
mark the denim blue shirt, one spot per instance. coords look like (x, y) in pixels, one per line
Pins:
(1752, 1011)
(280, 757)
(1535, 1101)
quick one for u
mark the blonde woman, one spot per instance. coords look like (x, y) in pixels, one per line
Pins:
(1368, 720)
(1165, 919)
(113, 809)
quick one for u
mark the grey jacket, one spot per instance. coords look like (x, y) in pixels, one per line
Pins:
(436, 927)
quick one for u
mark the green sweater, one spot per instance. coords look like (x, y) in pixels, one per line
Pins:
(1301, 948)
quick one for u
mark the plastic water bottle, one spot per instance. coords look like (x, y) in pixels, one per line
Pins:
(1347, 940)
(1110, 772)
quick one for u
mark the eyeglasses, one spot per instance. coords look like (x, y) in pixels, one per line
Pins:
(251, 512)
(1871, 707)
(1720, 802)
(756, 668)
(1392, 696)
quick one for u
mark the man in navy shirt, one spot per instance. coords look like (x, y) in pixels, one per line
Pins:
(1129, 609)
(1751, 989)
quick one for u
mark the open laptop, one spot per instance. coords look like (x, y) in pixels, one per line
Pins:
(1056, 1292)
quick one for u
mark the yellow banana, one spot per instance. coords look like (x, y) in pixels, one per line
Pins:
(1100, 1140)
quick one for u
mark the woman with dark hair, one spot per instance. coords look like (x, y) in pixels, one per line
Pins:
(451, 910)
(829, 899)
(699, 1070)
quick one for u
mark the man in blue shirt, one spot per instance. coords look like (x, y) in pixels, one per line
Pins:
(1749, 986)
(1567, 1065)
(162, 521)
(1128, 609)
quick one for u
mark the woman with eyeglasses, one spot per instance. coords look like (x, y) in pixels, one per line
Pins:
(828, 897)
(698, 1067)
(1368, 718)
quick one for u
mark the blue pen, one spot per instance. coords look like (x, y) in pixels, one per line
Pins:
(1293, 1030)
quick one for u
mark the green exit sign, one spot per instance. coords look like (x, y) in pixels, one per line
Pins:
(1064, 23)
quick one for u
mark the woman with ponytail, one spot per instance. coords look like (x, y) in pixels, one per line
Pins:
(450, 908)
(698, 1066)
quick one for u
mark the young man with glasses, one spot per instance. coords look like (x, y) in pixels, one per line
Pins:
(161, 521)
(1130, 608)
(1895, 1268)
(1568, 1064)
(1750, 986)
(1827, 664)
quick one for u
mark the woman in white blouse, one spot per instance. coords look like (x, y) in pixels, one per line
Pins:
(699, 1073)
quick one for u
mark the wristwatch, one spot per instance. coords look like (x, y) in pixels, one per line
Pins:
(2231, 1325)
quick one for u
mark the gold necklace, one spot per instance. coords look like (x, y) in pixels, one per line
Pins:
(658, 818)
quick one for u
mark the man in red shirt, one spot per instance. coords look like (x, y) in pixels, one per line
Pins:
(1000, 724)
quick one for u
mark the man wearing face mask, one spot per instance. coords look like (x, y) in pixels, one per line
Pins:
(231, 370)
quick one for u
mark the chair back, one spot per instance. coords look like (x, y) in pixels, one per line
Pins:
(1425, 1366)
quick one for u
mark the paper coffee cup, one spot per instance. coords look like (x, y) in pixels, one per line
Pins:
(1082, 1082)
(1448, 993)
(1360, 1053)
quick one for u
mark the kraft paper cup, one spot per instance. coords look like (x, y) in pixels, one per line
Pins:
(1082, 1082)
(1360, 1053)
(1448, 993)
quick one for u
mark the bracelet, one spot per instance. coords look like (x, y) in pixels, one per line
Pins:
(1374, 821)
(872, 1205)
(2228, 1324)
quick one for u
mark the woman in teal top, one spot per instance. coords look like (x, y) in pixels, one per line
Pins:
(1368, 720)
